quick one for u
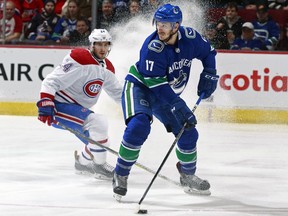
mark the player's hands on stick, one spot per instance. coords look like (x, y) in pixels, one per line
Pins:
(207, 83)
(46, 110)
(183, 114)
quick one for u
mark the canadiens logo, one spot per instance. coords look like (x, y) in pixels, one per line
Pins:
(93, 87)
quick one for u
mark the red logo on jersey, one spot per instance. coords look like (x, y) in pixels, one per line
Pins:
(93, 87)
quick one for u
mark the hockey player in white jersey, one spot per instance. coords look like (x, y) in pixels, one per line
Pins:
(71, 89)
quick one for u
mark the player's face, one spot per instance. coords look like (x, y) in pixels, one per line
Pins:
(167, 31)
(101, 49)
(164, 30)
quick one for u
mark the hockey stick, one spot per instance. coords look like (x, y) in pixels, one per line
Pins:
(144, 211)
(77, 133)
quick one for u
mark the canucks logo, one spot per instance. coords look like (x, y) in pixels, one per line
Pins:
(179, 83)
(156, 45)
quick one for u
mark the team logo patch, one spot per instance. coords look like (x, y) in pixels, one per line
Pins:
(93, 87)
(179, 83)
(190, 33)
(66, 67)
(175, 10)
(156, 46)
(144, 103)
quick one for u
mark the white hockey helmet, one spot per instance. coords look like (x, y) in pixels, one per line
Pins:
(100, 35)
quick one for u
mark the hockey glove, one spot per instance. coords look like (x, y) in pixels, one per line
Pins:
(183, 114)
(207, 83)
(46, 110)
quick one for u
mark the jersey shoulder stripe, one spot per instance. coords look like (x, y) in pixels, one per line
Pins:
(83, 56)
(109, 65)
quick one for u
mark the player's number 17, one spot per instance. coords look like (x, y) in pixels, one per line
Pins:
(149, 65)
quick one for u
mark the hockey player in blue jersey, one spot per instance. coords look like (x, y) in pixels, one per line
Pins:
(153, 87)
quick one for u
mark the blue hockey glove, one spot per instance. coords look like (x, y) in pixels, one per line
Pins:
(207, 83)
(183, 114)
(46, 110)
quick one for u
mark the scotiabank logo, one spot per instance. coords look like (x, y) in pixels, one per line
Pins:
(257, 81)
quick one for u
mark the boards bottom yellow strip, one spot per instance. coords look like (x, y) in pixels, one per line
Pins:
(207, 114)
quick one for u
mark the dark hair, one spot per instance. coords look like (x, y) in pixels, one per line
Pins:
(82, 18)
(107, 1)
(131, 1)
(232, 5)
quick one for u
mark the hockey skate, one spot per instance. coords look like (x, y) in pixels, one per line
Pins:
(119, 186)
(193, 184)
(99, 171)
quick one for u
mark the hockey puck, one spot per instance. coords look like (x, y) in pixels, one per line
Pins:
(142, 211)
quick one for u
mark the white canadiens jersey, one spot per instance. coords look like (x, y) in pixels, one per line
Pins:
(80, 79)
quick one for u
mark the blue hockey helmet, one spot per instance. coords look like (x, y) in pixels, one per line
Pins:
(168, 13)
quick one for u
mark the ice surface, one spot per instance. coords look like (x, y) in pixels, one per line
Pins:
(246, 165)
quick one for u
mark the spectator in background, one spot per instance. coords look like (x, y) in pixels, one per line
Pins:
(85, 8)
(13, 24)
(106, 19)
(42, 25)
(219, 3)
(17, 3)
(216, 41)
(149, 7)
(67, 23)
(247, 41)
(125, 14)
(30, 8)
(120, 4)
(80, 36)
(252, 4)
(265, 28)
(230, 25)
(134, 8)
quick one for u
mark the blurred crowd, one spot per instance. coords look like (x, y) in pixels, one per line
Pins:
(248, 25)
(237, 25)
(64, 22)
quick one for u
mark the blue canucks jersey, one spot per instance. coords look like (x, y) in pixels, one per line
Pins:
(164, 68)
(268, 32)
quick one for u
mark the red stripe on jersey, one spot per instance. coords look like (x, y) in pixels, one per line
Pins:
(46, 95)
(69, 118)
(109, 65)
(103, 141)
(83, 56)
(66, 95)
